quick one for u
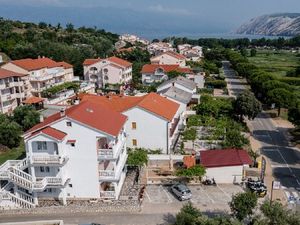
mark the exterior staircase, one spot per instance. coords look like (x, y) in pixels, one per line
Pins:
(12, 172)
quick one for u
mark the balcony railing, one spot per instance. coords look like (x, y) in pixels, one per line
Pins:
(49, 159)
(108, 194)
(41, 78)
(106, 173)
(105, 153)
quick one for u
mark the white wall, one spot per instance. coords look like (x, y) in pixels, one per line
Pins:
(228, 174)
(166, 59)
(150, 132)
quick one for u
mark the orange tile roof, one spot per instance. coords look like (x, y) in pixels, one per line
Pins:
(159, 105)
(152, 102)
(89, 62)
(7, 73)
(65, 65)
(35, 64)
(119, 61)
(91, 114)
(33, 100)
(151, 68)
(52, 132)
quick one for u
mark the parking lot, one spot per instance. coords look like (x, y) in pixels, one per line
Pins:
(202, 196)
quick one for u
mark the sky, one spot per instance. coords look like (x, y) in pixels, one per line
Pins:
(148, 17)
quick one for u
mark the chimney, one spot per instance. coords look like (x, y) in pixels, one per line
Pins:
(62, 112)
(41, 118)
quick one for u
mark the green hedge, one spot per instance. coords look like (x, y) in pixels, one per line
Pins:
(291, 80)
(216, 83)
(55, 89)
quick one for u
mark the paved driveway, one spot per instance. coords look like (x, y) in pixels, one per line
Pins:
(210, 197)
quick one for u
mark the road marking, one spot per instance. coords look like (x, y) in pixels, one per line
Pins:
(168, 196)
(287, 194)
(270, 150)
(227, 195)
(279, 166)
(207, 195)
(148, 196)
(285, 161)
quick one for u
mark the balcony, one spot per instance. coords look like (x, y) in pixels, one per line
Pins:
(105, 153)
(107, 174)
(108, 194)
(41, 78)
(110, 150)
(48, 160)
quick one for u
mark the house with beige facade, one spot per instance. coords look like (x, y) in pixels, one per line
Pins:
(112, 70)
(43, 72)
(14, 89)
(169, 58)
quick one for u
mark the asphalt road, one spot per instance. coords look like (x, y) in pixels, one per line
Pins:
(285, 160)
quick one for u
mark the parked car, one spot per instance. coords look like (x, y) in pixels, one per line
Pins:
(181, 191)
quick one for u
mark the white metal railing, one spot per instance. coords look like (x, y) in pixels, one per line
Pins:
(108, 194)
(105, 153)
(41, 78)
(53, 159)
(107, 173)
(22, 200)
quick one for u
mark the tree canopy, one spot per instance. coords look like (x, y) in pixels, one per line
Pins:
(137, 157)
(10, 132)
(26, 116)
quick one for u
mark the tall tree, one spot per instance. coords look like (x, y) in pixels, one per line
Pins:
(282, 98)
(246, 104)
(243, 204)
(26, 116)
(10, 132)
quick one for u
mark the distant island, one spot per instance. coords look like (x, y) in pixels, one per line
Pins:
(280, 24)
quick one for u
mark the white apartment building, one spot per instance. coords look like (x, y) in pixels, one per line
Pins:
(131, 38)
(155, 73)
(152, 119)
(112, 70)
(14, 89)
(169, 58)
(77, 154)
(43, 72)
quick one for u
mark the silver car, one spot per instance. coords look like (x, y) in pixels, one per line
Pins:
(181, 191)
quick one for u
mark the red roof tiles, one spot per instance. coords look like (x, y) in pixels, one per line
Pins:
(225, 157)
(89, 62)
(52, 132)
(35, 64)
(64, 65)
(33, 100)
(119, 61)
(89, 114)
(152, 102)
(7, 73)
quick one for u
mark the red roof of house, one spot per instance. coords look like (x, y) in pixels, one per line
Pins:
(119, 61)
(90, 114)
(65, 65)
(33, 100)
(152, 102)
(151, 68)
(35, 64)
(89, 62)
(225, 157)
(7, 73)
(52, 132)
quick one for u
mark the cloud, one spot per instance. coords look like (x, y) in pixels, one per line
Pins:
(166, 10)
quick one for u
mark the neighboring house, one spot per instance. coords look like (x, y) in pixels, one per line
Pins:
(154, 73)
(169, 58)
(152, 119)
(112, 70)
(179, 82)
(192, 53)
(131, 38)
(43, 72)
(156, 48)
(14, 89)
(77, 154)
(226, 165)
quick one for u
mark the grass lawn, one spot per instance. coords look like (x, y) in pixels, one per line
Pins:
(276, 62)
(13, 154)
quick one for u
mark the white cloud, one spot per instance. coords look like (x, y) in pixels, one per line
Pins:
(167, 10)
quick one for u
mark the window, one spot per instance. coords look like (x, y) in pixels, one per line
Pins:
(70, 185)
(133, 125)
(69, 124)
(41, 145)
(134, 142)
(73, 144)
(42, 169)
(47, 169)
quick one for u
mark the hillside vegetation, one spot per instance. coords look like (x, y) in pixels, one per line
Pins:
(21, 40)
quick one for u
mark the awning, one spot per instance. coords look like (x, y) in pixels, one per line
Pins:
(33, 100)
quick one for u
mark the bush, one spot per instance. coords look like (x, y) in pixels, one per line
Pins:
(216, 83)
(291, 80)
